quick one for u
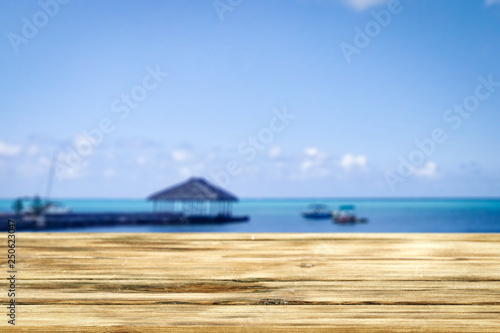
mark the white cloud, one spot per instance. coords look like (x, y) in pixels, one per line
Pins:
(32, 167)
(185, 172)
(312, 151)
(83, 145)
(312, 166)
(492, 2)
(274, 152)
(44, 161)
(70, 165)
(33, 150)
(314, 158)
(9, 150)
(350, 161)
(180, 155)
(72, 173)
(428, 170)
(192, 170)
(109, 173)
(74, 163)
(366, 4)
(306, 165)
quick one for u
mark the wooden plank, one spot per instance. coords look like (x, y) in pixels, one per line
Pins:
(68, 282)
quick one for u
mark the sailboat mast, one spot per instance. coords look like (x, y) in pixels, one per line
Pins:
(51, 176)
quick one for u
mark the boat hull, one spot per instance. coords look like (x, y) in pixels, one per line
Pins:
(317, 216)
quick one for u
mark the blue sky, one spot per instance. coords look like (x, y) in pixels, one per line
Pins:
(260, 97)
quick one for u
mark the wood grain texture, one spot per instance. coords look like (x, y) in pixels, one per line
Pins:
(70, 282)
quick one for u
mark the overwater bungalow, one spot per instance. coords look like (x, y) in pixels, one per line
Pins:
(198, 201)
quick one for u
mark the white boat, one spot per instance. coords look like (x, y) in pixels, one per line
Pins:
(347, 214)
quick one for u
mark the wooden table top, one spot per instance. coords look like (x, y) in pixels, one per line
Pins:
(157, 282)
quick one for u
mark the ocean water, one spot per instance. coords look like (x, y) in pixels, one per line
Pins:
(283, 215)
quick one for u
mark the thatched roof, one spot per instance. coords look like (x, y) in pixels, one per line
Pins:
(193, 189)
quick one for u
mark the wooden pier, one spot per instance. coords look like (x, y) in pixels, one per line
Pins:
(98, 282)
(83, 220)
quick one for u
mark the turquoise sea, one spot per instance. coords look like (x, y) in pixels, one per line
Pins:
(283, 215)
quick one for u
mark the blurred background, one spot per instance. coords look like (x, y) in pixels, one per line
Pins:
(267, 99)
